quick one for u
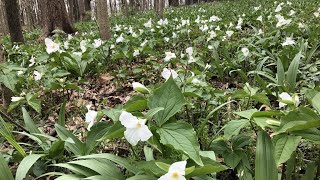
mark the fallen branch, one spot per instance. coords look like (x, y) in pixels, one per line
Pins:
(12, 121)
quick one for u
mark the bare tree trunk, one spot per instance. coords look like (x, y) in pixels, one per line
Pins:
(82, 9)
(12, 11)
(6, 92)
(125, 7)
(159, 6)
(103, 19)
(71, 11)
(3, 20)
(56, 16)
(87, 6)
(174, 3)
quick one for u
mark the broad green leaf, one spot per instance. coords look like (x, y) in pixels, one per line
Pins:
(5, 173)
(298, 125)
(6, 133)
(232, 159)
(233, 127)
(62, 113)
(136, 103)
(310, 171)
(57, 149)
(182, 137)
(144, 177)
(77, 169)
(280, 73)
(26, 164)
(116, 159)
(116, 130)
(169, 97)
(34, 102)
(71, 141)
(247, 113)
(293, 71)
(210, 166)
(265, 164)
(113, 114)
(148, 153)
(97, 131)
(30, 125)
(313, 97)
(9, 80)
(103, 167)
(284, 147)
(70, 177)
(152, 112)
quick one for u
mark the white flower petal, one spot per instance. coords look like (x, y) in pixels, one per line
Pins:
(128, 120)
(131, 136)
(144, 133)
(178, 167)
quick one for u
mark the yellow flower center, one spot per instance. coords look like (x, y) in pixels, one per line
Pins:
(139, 124)
(175, 175)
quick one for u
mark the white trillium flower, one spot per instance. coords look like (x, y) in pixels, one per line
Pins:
(169, 56)
(229, 33)
(37, 75)
(140, 88)
(90, 116)
(189, 51)
(19, 73)
(83, 47)
(287, 97)
(15, 99)
(316, 14)
(51, 46)
(148, 24)
(288, 41)
(77, 54)
(210, 47)
(259, 18)
(279, 8)
(191, 59)
(97, 43)
(176, 171)
(245, 52)
(166, 39)
(166, 73)
(120, 39)
(292, 12)
(282, 21)
(144, 43)
(32, 61)
(136, 53)
(136, 129)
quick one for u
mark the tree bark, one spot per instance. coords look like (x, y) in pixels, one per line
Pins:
(82, 9)
(56, 16)
(103, 19)
(125, 7)
(159, 6)
(3, 20)
(12, 12)
(174, 3)
(6, 92)
(87, 6)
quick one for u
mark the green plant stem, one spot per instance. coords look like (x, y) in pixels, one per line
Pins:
(134, 152)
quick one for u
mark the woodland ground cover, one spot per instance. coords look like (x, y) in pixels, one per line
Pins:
(226, 90)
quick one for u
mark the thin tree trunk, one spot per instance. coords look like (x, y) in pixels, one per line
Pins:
(82, 9)
(125, 7)
(174, 3)
(56, 16)
(103, 19)
(6, 92)
(12, 11)
(87, 5)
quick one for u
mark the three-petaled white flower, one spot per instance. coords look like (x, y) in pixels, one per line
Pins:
(229, 33)
(282, 21)
(120, 39)
(176, 171)
(90, 116)
(83, 47)
(166, 73)
(140, 88)
(288, 41)
(189, 51)
(279, 8)
(287, 97)
(245, 52)
(169, 56)
(37, 75)
(32, 61)
(148, 24)
(136, 129)
(136, 53)
(51, 46)
(259, 18)
(15, 99)
(97, 43)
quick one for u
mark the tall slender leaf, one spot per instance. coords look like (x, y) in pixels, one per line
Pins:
(26, 164)
(293, 72)
(265, 164)
(5, 173)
